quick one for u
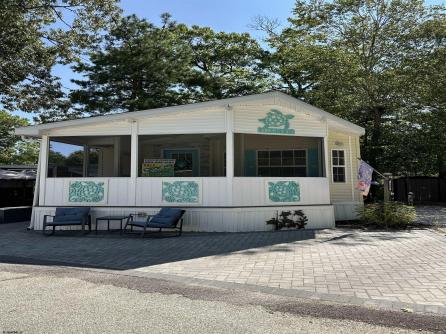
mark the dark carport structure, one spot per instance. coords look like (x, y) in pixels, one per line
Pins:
(16, 192)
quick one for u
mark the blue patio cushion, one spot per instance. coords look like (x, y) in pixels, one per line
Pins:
(157, 225)
(70, 214)
(139, 222)
(65, 222)
(65, 218)
(169, 212)
(163, 221)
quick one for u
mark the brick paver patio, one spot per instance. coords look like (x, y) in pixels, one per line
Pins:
(403, 267)
(395, 266)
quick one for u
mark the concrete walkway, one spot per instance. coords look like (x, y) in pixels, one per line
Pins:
(384, 269)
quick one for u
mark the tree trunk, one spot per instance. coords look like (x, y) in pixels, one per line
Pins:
(375, 138)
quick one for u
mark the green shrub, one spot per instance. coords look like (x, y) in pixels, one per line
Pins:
(388, 215)
(296, 219)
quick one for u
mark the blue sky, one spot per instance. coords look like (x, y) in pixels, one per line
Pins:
(227, 15)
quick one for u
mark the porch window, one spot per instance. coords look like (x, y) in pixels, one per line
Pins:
(287, 163)
(89, 156)
(182, 155)
(277, 156)
(338, 165)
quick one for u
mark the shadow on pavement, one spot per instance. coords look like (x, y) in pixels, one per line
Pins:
(369, 238)
(116, 252)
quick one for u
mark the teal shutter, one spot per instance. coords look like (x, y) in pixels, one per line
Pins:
(250, 163)
(313, 162)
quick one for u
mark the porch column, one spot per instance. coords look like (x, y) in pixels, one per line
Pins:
(44, 148)
(134, 151)
(133, 160)
(229, 152)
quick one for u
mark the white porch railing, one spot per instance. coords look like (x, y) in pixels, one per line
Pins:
(196, 192)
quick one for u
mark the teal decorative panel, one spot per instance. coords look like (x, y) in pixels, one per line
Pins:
(181, 192)
(86, 192)
(283, 191)
(276, 122)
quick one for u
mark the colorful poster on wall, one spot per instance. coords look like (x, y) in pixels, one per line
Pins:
(158, 167)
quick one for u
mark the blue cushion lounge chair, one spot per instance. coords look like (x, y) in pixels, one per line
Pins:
(68, 217)
(167, 218)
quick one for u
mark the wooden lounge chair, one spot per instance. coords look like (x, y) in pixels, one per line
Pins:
(167, 218)
(68, 217)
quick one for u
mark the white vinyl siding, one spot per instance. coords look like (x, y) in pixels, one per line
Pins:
(203, 121)
(344, 192)
(247, 120)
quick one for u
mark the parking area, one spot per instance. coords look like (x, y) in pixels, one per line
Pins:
(393, 267)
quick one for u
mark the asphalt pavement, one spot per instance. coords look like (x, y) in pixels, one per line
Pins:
(57, 299)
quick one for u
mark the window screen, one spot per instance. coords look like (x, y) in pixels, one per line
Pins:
(289, 163)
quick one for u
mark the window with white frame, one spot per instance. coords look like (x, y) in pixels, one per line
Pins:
(289, 163)
(338, 165)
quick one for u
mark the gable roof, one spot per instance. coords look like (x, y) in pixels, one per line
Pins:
(275, 97)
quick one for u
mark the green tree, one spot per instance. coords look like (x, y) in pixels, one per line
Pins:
(140, 67)
(13, 150)
(225, 64)
(144, 66)
(429, 80)
(35, 35)
(352, 59)
(26, 152)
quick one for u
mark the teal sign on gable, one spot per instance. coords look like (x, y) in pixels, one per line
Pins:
(181, 192)
(86, 192)
(283, 191)
(276, 122)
